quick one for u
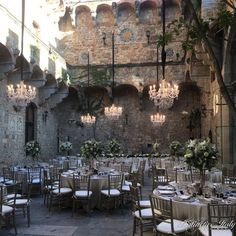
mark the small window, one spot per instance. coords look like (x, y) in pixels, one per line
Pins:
(34, 54)
(30, 122)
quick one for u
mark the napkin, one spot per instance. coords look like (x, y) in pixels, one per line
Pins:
(232, 199)
(165, 187)
(166, 192)
(183, 198)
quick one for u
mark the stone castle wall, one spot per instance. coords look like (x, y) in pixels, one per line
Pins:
(135, 61)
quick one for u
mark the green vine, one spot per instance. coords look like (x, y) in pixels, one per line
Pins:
(223, 20)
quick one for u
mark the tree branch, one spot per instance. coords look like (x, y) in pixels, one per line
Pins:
(215, 64)
(230, 4)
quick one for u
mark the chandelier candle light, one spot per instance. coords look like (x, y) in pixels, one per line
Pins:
(158, 119)
(88, 119)
(113, 112)
(167, 92)
(165, 95)
(21, 94)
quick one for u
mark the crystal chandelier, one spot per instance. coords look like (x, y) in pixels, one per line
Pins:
(88, 119)
(21, 94)
(113, 112)
(158, 119)
(164, 96)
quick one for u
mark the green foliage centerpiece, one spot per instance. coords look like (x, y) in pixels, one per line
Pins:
(32, 148)
(65, 147)
(113, 148)
(155, 148)
(176, 148)
(202, 155)
(91, 149)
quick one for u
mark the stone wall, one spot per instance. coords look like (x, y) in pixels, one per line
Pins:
(12, 129)
(134, 128)
(58, 115)
(12, 126)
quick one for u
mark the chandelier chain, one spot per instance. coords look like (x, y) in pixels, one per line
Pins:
(113, 112)
(21, 94)
(88, 119)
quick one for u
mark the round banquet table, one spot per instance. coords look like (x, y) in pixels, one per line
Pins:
(97, 183)
(214, 176)
(186, 210)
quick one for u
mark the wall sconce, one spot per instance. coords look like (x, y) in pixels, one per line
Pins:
(148, 34)
(45, 116)
(204, 110)
(104, 38)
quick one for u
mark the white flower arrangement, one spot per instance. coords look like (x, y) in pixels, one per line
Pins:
(32, 148)
(176, 148)
(113, 148)
(65, 146)
(91, 149)
(155, 147)
(201, 154)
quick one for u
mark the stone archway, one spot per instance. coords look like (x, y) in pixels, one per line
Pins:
(6, 59)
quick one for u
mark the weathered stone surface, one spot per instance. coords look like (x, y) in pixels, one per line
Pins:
(135, 70)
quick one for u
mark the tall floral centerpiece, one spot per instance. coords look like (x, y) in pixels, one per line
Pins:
(176, 148)
(155, 149)
(65, 147)
(91, 150)
(113, 147)
(32, 149)
(202, 155)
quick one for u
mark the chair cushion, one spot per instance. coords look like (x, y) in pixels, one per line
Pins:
(12, 195)
(36, 181)
(215, 232)
(130, 183)
(179, 227)
(62, 190)
(113, 192)
(1, 179)
(145, 203)
(145, 213)
(126, 188)
(49, 187)
(9, 182)
(21, 201)
(6, 209)
(83, 193)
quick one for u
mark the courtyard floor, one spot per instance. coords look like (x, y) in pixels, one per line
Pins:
(119, 222)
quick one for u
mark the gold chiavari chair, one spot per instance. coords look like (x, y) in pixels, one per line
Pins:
(6, 212)
(221, 220)
(164, 223)
(81, 191)
(113, 191)
(159, 177)
(141, 216)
